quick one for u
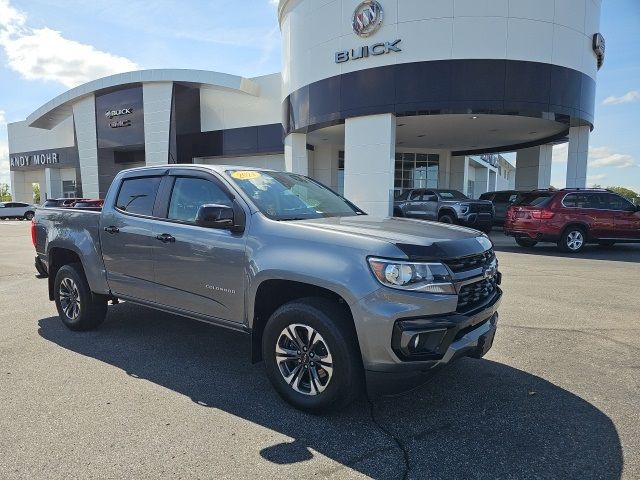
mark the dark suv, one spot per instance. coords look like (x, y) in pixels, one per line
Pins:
(501, 201)
(573, 217)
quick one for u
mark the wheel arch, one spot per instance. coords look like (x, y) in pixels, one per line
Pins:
(447, 211)
(58, 258)
(273, 293)
(582, 225)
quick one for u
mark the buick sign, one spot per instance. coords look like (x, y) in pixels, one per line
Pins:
(116, 113)
(367, 18)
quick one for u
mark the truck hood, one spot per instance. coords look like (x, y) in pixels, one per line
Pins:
(416, 238)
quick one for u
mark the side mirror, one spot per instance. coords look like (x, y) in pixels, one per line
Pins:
(215, 216)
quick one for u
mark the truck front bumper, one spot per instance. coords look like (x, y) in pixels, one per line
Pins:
(456, 336)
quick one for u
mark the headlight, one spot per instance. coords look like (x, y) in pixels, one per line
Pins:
(464, 207)
(412, 276)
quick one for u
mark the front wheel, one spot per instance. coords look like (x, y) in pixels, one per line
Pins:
(446, 218)
(573, 240)
(29, 216)
(311, 355)
(78, 307)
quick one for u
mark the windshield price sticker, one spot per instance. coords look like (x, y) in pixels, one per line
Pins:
(245, 175)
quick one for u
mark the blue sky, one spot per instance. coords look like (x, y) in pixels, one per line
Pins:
(47, 46)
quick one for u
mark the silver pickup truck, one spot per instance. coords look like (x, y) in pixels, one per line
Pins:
(331, 299)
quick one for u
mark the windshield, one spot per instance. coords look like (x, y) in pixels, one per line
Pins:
(287, 196)
(452, 195)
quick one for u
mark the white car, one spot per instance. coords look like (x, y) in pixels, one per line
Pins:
(16, 210)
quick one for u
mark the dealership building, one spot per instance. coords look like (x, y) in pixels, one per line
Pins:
(374, 97)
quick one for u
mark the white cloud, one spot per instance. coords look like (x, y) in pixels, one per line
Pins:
(629, 97)
(604, 157)
(598, 157)
(274, 2)
(560, 153)
(44, 54)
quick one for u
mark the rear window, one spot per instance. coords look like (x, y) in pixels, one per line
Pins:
(535, 199)
(138, 195)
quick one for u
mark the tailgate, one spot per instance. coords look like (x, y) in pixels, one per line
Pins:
(520, 218)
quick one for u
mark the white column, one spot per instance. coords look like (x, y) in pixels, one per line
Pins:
(18, 191)
(533, 167)
(84, 120)
(444, 170)
(369, 162)
(325, 166)
(53, 182)
(296, 159)
(577, 157)
(459, 176)
(157, 122)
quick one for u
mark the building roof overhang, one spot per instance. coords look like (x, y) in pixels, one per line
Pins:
(55, 111)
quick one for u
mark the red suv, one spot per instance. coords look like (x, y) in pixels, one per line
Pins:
(573, 217)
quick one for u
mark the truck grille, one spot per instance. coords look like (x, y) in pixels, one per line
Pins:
(475, 294)
(480, 208)
(469, 263)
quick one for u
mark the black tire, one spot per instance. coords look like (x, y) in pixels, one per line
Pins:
(71, 284)
(573, 239)
(334, 330)
(606, 243)
(29, 215)
(447, 218)
(526, 242)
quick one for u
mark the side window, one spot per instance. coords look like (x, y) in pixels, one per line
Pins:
(616, 202)
(137, 195)
(189, 194)
(577, 200)
(595, 200)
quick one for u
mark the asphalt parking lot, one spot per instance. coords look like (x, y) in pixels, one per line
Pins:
(150, 395)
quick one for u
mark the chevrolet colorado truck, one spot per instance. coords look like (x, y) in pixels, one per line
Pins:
(331, 299)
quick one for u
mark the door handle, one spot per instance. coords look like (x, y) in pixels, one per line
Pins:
(165, 238)
(111, 229)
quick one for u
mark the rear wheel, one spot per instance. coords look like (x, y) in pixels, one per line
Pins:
(78, 307)
(311, 355)
(526, 242)
(29, 216)
(573, 239)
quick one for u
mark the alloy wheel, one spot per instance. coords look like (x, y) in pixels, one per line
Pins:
(69, 298)
(304, 359)
(575, 240)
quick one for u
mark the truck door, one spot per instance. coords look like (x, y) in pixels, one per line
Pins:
(127, 238)
(430, 205)
(198, 270)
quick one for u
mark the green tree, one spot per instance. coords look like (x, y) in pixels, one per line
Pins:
(36, 193)
(5, 193)
(626, 193)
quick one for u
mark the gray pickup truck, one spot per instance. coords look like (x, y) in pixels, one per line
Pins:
(446, 206)
(331, 299)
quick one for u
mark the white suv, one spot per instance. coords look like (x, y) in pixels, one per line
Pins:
(16, 210)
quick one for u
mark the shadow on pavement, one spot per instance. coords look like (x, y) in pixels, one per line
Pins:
(477, 419)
